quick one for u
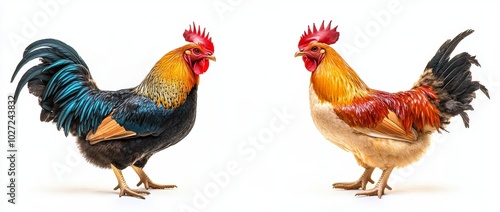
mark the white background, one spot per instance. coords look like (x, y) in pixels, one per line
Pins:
(254, 76)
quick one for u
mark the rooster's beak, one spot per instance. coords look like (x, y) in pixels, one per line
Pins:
(299, 53)
(211, 57)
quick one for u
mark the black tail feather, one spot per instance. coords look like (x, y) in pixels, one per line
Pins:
(443, 54)
(451, 79)
(465, 119)
(483, 89)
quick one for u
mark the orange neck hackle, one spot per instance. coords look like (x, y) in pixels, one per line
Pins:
(170, 80)
(335, 81)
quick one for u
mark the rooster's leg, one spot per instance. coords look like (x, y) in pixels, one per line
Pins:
(360, 183)
(380, 186)
(147, 182)
(122, 185)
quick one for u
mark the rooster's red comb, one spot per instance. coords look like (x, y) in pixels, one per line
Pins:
(199, 37)
(324, 34)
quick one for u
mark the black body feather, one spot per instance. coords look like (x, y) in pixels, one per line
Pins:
(137, 151)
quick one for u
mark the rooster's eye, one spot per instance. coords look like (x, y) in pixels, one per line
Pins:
(314, 49)
(196, 51)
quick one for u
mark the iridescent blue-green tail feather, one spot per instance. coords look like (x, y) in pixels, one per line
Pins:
(62, 82)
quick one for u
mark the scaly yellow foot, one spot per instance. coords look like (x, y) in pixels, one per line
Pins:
(360, 183)
(144, 179)
(380, 186)
(122, 185)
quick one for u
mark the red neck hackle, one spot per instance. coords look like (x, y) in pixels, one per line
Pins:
(335, 81)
